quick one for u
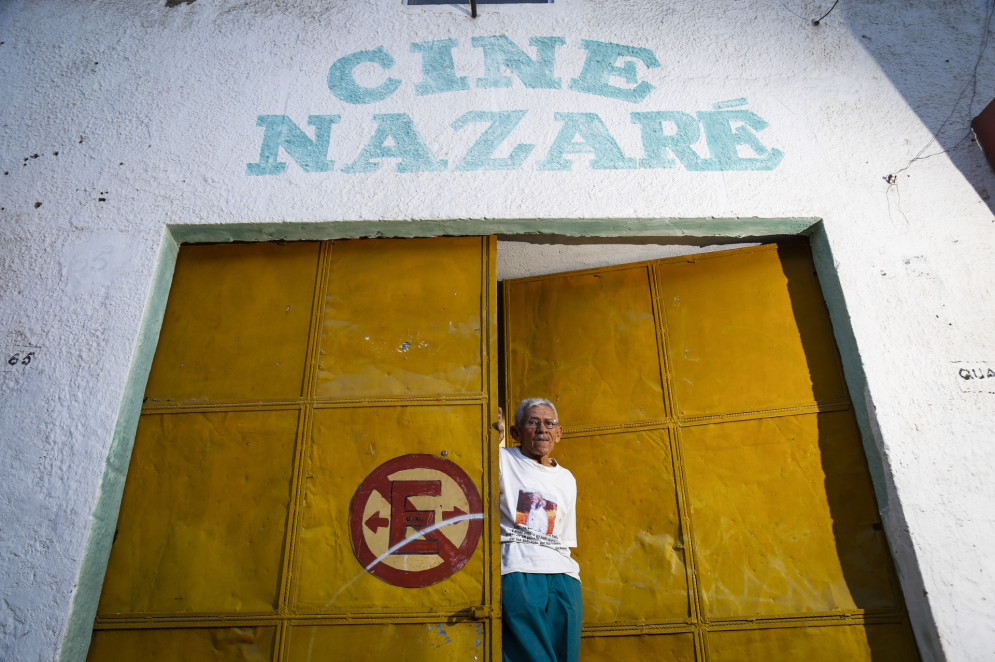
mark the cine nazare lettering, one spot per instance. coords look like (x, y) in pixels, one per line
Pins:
(668, 136)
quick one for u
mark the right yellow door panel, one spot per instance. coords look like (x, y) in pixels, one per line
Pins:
(722, 484)
(637, 571)
(748, 331)
(869, 643)
(784, 516)
(669, 647)
(572, 356)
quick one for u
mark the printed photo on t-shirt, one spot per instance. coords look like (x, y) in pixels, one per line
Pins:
(535, 512)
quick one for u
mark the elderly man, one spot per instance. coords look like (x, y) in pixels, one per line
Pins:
(540, 583)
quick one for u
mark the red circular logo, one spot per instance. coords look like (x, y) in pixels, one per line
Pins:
(415, 520)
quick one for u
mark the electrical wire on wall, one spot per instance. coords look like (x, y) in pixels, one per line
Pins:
(892, 178)
(814, 21)
(971, 85)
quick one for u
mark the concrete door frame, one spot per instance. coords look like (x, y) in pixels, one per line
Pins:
(692, 231)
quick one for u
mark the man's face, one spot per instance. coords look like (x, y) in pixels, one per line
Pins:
(536, 437)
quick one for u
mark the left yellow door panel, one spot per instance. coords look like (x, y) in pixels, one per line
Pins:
(354, 442)
(403, 327)
(285, 377)
(236, 325)
(235, 644)
(397, 642)
(207, 496)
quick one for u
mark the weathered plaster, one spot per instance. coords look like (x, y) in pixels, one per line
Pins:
(105, 512)
(569, 227)
(129, 122)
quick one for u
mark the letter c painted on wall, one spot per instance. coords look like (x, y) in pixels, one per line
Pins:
(343, 85)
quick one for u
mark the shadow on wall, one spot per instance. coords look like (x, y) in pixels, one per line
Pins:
(947, 76)
(861, 547)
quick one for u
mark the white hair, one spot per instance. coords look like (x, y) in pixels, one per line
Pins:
(529, 403)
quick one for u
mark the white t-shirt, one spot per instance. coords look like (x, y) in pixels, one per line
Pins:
(538, 516)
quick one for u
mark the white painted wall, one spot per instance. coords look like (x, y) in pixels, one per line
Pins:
(123, 119)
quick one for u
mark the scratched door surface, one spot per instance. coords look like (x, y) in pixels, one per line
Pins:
(726, 511)
(309, 405)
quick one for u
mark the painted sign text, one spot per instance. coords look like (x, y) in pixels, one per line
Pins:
(723, 138)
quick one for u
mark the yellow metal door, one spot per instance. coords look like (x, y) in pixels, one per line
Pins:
(725, 508)
(310, 406)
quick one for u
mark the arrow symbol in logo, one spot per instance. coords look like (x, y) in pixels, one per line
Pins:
(449, 514)
(376, 522)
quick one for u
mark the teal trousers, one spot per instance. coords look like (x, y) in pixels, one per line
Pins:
(540, 618)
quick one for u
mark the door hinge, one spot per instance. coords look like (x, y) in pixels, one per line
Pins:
(481, 612)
